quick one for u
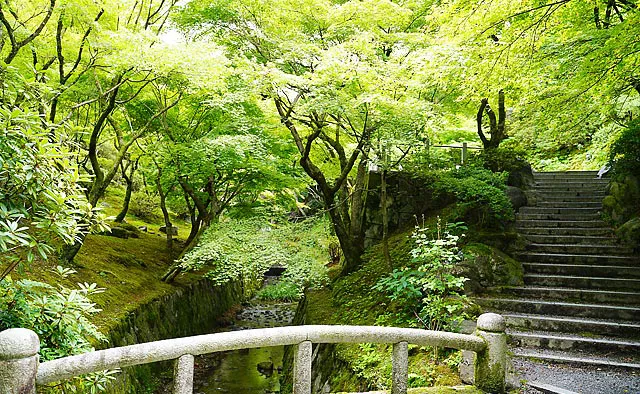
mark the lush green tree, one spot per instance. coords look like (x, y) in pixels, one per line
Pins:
(336, 73)
(568, 68)
(41, 200)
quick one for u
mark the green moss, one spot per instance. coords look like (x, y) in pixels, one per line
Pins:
(352, 301)
(129, 269)
(486, 266)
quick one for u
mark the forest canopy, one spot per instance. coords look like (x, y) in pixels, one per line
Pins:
(219, 107)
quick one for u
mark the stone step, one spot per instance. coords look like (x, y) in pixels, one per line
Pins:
(570, 199)
(546, 388)
(593, 173)
(566, 231)
(589, 194)
(565, 342)
(580, 359)
(612, 250)
(524, 223)
(558, 216)
(582, 282)
(570, 204)
(571, 184)
(567, 187)
(569, 239)
(573, 295)
(556, 210)
(597, 311)
(624, 329)
(569, 258)
(603, 271)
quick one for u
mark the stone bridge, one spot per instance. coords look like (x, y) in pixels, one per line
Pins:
(21, 371)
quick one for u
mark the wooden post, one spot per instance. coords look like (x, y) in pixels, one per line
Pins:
(464, 153)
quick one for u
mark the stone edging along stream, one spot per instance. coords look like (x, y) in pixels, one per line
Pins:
(192, 310)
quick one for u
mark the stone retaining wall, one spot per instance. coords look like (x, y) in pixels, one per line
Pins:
(192, 310)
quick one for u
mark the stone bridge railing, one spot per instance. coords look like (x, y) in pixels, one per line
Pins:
(20, 370)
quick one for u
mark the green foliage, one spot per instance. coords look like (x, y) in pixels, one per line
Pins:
(245, 248)
(625, 151)
(504, 158)
(283, 290)
(480, 191)
(144, 205)
(61, 318)
(41, 200)
(430, 288)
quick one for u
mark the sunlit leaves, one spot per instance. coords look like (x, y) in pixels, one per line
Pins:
(42, 202)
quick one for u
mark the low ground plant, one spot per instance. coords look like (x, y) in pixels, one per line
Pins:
(243, 249)
(429, 288)
(61, 318)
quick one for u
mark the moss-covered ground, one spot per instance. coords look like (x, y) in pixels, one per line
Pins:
(351, 300)
(129, 269)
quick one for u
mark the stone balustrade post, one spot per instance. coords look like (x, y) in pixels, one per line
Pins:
(18, 361)
(302, 360)
(491, 364)
(183, 375)
(400, 368)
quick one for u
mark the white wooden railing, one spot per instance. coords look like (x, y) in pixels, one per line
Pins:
(20, 370)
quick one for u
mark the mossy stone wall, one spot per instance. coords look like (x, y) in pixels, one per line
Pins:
(407, 198)
(623, 199)
(193, 310)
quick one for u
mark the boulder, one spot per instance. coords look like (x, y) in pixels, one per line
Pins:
(629, 232)
(265, 368)
(516, 196)
(623, 199)
(174, 230)
(522, 177)
(486, 266)
(118, 232)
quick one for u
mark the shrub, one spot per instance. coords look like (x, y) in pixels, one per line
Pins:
(60, 317)
(283, 290)
(625, 152)
(430, 290)
(501, 159)
(144, 206)
(480, 191)
(245, 248)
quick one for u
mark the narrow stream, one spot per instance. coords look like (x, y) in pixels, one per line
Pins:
(248, 371)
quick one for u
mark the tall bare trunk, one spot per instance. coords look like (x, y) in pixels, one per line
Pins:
(165, 212)
(385, 219)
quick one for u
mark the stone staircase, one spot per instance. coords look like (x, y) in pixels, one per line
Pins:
(581, 299)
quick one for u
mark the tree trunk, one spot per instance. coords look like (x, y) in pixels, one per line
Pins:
(195, 228)
(69, 252)
(497, 125)
(175, 269)
(385, 218)
(352, 245)
(125, 203)
(636, 85)
(127, 195)
(165, 212)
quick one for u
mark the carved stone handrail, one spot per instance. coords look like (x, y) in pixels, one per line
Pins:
(20, 371)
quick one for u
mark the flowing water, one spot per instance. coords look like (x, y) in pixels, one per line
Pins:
(248, 371)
